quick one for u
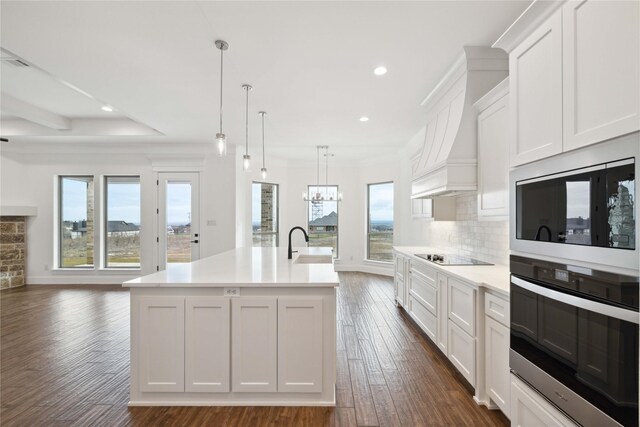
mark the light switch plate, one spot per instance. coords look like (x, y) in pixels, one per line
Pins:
(211, 222)
(232, 292)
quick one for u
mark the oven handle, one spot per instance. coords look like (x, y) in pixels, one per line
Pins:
(597, 307)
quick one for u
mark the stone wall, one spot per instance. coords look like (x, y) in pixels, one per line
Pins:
(12, 251)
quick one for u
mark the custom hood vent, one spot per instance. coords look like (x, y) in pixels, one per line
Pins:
(446, 162)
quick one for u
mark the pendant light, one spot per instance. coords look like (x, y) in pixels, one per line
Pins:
(263, 170)
(246, 159)
(221, 138)
(319, 196)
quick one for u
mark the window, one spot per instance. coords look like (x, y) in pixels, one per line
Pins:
(76, 222)
(323, 217)
(380, 222)
(122, 221)
(264, 214)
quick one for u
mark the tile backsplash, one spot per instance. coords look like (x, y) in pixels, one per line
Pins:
(484, 240)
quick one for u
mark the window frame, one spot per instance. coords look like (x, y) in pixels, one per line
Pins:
(105, 224)
(60, 222)
(277, 215)
(368, 222)
(309, 193)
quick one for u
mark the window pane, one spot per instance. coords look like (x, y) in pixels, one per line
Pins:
(264, 214)
(178, 210)
(123, 221)
(76, 221)
(380, 222)
(323, 217)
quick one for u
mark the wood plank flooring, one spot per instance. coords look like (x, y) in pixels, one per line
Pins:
(64, 361)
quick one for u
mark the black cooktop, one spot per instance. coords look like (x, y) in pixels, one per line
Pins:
(446, 259)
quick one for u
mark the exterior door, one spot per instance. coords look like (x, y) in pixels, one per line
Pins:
(178, 218)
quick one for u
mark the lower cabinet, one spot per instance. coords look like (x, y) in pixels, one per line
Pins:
(462, 352)
(161, 344)
(254, 344)
(423, 317)
(497, 375)
(443, 317)
(187, 344)
(207, 344)
(529, 409)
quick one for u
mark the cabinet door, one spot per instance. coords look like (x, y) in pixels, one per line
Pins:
(497, 363)
(493, 159)
(535, 91)
(416, 208)
(462, 305)
(443, 317)
(161, 344)
(423, 317)
(254, 344)
(207, 344)
(528, 409)
(300, 344)
(462, 352)
(400, 292)
(601, 71)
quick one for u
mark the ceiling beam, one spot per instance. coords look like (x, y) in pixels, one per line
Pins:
(16, 107)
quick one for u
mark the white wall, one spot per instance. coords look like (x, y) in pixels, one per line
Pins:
(28, 178)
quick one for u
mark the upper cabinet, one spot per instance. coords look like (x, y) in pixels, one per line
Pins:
(535, 68)
(601, 45)
(493, 149)
(574, 75)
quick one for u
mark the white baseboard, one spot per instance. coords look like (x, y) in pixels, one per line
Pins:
(77, 280)
(373, 269)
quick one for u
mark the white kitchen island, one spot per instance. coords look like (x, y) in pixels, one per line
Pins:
(245, 327)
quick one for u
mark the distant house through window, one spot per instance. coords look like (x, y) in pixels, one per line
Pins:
(122, 221)
(76, 230)
(380, 222)
(323, 217)
(264, 214)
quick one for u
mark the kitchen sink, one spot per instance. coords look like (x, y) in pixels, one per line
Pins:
(313, 259)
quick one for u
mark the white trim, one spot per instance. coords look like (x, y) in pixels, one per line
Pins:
(388, 271)
(228, 403)
(78, 280)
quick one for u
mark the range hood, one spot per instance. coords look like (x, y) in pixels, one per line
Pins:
(446, 162)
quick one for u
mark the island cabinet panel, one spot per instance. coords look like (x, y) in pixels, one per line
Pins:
(207, 344)
(535, 90)
(601, 71)
(300, 344)
(254, 344)
(161, 351)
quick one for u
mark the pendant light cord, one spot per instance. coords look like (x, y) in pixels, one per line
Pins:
(263, 140)
(221, 70)
(246, 123)
(326, 175)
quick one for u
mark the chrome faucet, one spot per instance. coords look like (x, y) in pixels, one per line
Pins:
(306, 239)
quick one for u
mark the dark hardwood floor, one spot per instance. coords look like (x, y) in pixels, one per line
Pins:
(64, 361)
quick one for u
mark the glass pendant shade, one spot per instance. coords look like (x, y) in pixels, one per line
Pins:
(246, 162)
(221, 144)
(263, 173)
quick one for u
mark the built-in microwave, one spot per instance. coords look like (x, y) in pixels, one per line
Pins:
(580, 206)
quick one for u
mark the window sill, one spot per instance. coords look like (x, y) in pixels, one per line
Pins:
(131, 269)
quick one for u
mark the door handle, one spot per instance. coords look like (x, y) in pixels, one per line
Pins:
(194, 241)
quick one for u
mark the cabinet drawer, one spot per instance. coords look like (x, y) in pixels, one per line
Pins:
(423, 317)
(424, 292)
(429, 274)
(497, 308)
(461, 305)
(462, 352)
(528, 408)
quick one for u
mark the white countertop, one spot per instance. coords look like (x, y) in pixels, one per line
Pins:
(245, 267)
(494, 277)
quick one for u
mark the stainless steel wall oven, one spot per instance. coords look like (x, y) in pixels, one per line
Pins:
(574, 338)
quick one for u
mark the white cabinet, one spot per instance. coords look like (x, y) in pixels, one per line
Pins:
(601, 71)
(423, 317)
(443, 314)
(493, 153)
(254, 344)
(423, 288)
(161, 355)
(300, 344)
(401, 273)
(535, 92)
(497, 374)
(462, 352)
(420, 208)
(207, 344)
(529, 409)
(462, 304)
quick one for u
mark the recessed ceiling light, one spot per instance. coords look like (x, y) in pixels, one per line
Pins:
(107, 108)
(364, 119)
(380, 71)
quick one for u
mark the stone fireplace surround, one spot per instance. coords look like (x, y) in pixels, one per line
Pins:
(12, 251)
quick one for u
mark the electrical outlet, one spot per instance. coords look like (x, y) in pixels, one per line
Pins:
(232, 292)
(211, 222)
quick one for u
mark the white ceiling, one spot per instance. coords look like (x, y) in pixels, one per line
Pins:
(310, 64)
